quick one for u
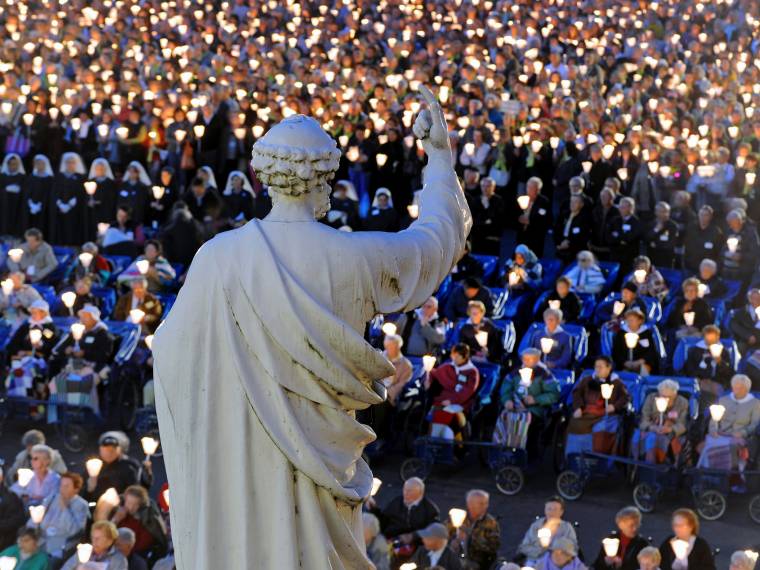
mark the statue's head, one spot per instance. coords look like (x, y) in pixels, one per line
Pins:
(296, 159)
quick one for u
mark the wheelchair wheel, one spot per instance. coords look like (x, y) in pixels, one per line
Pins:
(569, 485)
(645, 497)
(510, 480)
(74, 436)
(754, 509)
(711, 505)
(414, 467)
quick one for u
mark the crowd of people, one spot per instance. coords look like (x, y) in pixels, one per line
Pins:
(609, 154)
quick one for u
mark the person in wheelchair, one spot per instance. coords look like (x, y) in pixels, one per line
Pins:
(452, 386)
(560, 354)
(644, 357)
(661, 432)
(706, 362)
(493, 348)
(611, 313)
(527, 396)
(732, 435)
(20, 344)
(628, 521)
(94, 348)
(586, 276)
(139, 297)
(533, 546)
(523, 272)
(564, 299)
(689, 313)
(593, 415)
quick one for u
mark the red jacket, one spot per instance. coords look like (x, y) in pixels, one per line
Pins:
(458, 385)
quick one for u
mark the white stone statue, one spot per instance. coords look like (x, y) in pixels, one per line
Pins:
(262, 365)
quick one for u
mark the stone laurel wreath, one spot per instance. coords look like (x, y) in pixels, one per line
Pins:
(293, 171)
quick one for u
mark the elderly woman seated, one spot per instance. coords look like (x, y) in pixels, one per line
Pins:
(378, 550)
(662, 424)
(586, 275)
(103, 535)
(545, 530)
(650, 282)
(453, 386)
(142, 516)
(713, 286)
(689, 313)
(25, 341)
(707, 362)
(562, 555)
(66, 516)
(527, 396)
(523, 271)
(611, 311)
(598, 402)
(82, 290)
(564, 299)
(634, 346)
(734, 420)
(553, 341)
(44, 481)
(94, 347)
(481, 334)
(16, 297)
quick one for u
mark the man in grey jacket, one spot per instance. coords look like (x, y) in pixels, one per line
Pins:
(37, 261)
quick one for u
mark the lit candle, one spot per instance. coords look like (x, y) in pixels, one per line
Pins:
(69, 298)
(122, 132)
(381, 159)
(85, 258)
(688, 318)
(701, 290)
(631, 340)
(180, 135)
(149, 341)
(376, 483)
(84, 552)
(523, 201)
(607, 390)
(513, 278)
(546, 345)
(166, 497)
(622, 174)
(7, 286)
(16, 254)
(198, 131)
(37, 513)
(544, 537)
(661, 403)
(90, 187)
(158, 192)
(136, 316)
(611, 546)
(110, 497)
(717, 411)
(414, 211)
(586, 164)
(149, 445)
(554, 304)
(428, 362)
(639, 275)
(457, 517)
(142, 266)
(389, 328)
(482, 338)
(94, 466)
(7, 563)
(680, 549)
(77, 330)
(732, 243)
(408, 566)
(103, 227)
(716, 350)
(35, 336)
(24, 476)
(618, 307)
(526, 374)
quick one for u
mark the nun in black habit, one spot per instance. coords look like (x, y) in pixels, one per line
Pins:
(12, 178)
(38, 193)
(382, 216)
(135, 191)
(103, 205)
(68, 212)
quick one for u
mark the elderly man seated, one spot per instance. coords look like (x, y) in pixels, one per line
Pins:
(660, 432)
(611, 312)
(479, 537)
(452, 387)
(125, 543)
(119, 470)
(689, 313)
(146, 306)
(156, 269)
(484, 338)
(406, 514)
(44, 481)
(38, 260)
(527, 396)
(82, 290)
(585, 275)
(734, 420)
(536, 541)
(66, 517)
(423, 330)
(103, 535)
(553, 341)
(596, 413)
(435, 552)
(21, 343)
(631, 543)
(564, 299)
(16, 297)
(643, 357)
(706, 362)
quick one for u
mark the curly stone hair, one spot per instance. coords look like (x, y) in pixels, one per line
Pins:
(293, 171)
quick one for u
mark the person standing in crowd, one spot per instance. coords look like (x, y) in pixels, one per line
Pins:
(37, 192)
(182, 236)
(536, 218)
(106, 195)
(68, 221)
(625, 235)
(741, 250)
(119, 469)
(573, 231)
(662, 237)
(134, 191)
(12, 181)
(702, 240)
(488, 218)
(699, 556)
(631, 545)
(479, 538)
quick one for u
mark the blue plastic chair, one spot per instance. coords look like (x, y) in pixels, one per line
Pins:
(681, 352)
(490, 264)
(107, 298)
(578, 335)
(118, 264)
(444, 290)
(510, 335)
(48, 294)
(167, 302)
(688, 387)
(65, 257)
(490, 375)
(551, 270)
(674, 278)
(607, 335)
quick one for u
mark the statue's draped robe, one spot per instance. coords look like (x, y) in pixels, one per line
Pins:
(259, 369)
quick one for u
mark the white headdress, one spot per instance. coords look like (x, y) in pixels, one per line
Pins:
(104, 162)
(211, 182)
(382, 191)
(143, 176)
(295, 156)
(48, 168)
(349, 188)
(246, 184)
(7, 159)
(79, 169)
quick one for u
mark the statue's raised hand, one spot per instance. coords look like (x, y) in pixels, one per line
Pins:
(430, 126)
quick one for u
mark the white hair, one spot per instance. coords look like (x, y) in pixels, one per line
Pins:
(127, 535)
(371, 523)
(537, 181)
(415, 482)
(478, 493)
(668, 387)
(741, 560)
(742, 379)
(42, 448)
